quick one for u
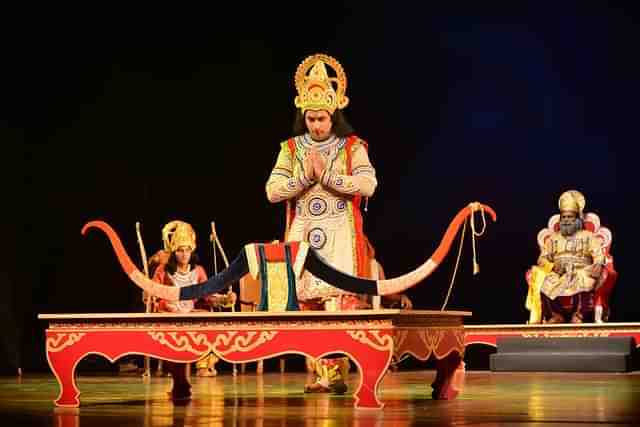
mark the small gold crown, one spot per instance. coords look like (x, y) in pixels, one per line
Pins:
(316, 89)
(176, 234)
(572, 201)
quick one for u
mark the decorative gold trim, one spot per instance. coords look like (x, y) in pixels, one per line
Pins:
(278, 293)
(355, 314)
(245, 344)
(183, 342)
(233, 341)
(566, 334)
(432, 339)
(429, 341)
(55, 345)
(223, 325)
(384, 342)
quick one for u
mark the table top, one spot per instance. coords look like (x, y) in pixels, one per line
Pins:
(394, 316)
(259, 314)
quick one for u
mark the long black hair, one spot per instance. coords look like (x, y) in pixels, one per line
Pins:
(339, 124)
(172, 264)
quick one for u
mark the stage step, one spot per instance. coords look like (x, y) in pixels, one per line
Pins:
(563, 354)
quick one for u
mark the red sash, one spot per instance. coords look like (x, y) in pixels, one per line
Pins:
(274, 252)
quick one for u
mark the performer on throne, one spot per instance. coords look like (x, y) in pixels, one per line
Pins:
(569, 265)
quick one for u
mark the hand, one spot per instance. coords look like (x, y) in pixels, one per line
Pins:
(215, 300)
(405, 302)
(558, 268)
(232, 298)
(318, 163)
(308, 171)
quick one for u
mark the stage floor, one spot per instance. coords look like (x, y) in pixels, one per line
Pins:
(489, 398)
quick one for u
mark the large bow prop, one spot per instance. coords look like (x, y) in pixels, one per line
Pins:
(312, 263)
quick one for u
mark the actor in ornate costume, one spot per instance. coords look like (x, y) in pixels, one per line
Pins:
(322, 174)
(569, 265)
(182, 269)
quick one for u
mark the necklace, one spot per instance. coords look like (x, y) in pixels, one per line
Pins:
(179, 270)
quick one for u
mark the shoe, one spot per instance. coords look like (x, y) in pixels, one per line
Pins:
(316, 388)
(576, 318)
(555, 319)
(204, 372)
(179, 395)
(338, 388)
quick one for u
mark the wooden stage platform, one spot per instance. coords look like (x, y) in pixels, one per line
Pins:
(274, 399)
(488, 398)
(488, 334)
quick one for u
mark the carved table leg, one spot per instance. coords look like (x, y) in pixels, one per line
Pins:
(366, 395)
(450, 372)
(64, 369)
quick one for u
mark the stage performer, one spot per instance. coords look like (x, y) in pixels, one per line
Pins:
(570, 265)
(183, 269)
(323, 174)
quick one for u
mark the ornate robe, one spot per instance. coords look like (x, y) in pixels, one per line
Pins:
(326, 214)
(195, 275)
(577, 255)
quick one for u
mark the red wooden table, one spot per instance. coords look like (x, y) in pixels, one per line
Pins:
(369, 337)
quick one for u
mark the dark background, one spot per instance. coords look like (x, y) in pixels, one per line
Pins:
(135, 117)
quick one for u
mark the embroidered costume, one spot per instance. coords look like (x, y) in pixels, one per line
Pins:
(569, 265)
(327, 213)
(177, 234)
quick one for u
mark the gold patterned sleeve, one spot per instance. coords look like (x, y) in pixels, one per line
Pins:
(287, 179)
(362, 180)
(597, 252)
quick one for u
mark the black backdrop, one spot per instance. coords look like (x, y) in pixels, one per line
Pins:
(137, 118)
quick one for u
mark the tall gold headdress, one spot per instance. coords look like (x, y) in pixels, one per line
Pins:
(316, 89)
(176, 234)
(572, 201)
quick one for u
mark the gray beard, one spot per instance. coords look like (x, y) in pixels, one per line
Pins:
(569, 229)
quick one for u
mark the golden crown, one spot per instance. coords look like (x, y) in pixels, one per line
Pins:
(176, 234)
(572, 201)
(316, 89)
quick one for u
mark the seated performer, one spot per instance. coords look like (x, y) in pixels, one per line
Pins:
(182, 269)
(322, 174)
(570, 265)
